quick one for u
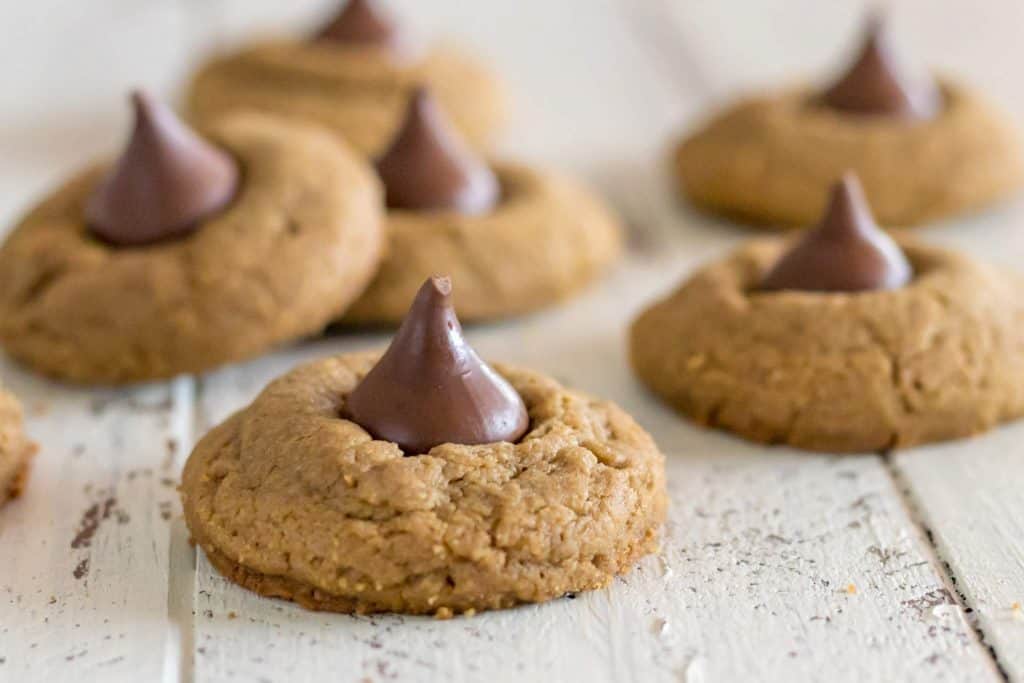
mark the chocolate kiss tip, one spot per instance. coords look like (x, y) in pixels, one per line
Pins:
(845, 252)
(430, 387)
(362, 22)
(166, 181)
(876, 83)
(429, 168)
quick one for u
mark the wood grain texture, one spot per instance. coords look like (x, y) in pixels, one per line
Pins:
(969, 496)
(775, 566)
(83, 588)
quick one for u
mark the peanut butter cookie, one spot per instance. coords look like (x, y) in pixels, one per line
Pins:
(938, 358)
(353, 77)
(110, 281)
(423, 481)
(924, 149)
(15, 449)
(515, 238)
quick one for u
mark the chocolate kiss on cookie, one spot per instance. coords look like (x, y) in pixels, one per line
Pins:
(429, 168)
(845, 252)
(166, 181)
(362, 22)
(430, 387)
(878, 84)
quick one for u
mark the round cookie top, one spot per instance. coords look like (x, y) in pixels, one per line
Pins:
(936, 359)
(354, 76)
(924, 148)
(517, 238)
(299, 239)
(295, 497)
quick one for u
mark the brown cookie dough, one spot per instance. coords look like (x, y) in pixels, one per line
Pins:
(15, 449)
(771, 160)
(293, 501)
(359, 92)
(939, 359)
(547, 238)
(299, 243)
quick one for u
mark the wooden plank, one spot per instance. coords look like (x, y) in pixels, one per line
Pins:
(85, 568)
(969, 497)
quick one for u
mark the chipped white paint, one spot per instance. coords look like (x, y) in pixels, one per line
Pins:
(970, 497)
(83, 583)
(775, 565)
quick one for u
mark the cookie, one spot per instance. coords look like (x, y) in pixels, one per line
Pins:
(937, 359)
(307, 494)
(515, 238)
(924, 151)
(357, 88)
(15, 449)
(298, 241)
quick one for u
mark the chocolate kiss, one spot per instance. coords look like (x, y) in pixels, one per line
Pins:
(429, 167)
(362, 22)
(430, 387)
(876, 83)
(167, 180)
(845, 252)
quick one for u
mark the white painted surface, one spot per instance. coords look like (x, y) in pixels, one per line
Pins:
(83, 577)
(775, 565)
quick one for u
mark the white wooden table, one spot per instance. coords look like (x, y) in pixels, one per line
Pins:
(776, 565)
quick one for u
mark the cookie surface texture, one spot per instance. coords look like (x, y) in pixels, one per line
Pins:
(770, 160)
(299, 242)
(292, 501)
(938, 359)
(16, 450)
(546, 240)
(360, 93)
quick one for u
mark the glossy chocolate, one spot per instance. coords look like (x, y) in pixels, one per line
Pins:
(845, 252)
(878, 84)
(429, 168)
(166, 182)
(362, 22)
(431, 388)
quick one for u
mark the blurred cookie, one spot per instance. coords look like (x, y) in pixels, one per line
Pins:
(189, 253)
(354, 77)
(15, 449)
(516, 239)
(924, 149)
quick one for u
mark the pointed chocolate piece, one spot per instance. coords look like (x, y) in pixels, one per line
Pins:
(429, 167)
(430, 387)
(877, 83)
(166, 181)
(362, 22)
(845, 252)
